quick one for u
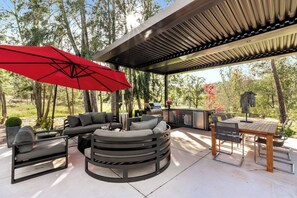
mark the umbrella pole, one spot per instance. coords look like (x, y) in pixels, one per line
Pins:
(54, 106)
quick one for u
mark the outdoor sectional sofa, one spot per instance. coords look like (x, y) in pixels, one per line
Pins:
(88, 123)
(127, 151)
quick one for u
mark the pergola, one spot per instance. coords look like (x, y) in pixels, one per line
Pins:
(200, 34)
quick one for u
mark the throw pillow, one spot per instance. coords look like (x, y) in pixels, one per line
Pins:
(25, 134)
(109, 117)
(98, 117)
(73, 121)
(86, 119)
(150, 124)
(160, 128)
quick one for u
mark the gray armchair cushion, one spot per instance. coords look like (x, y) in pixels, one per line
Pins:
(86, 119)
(137, 133)
(42, 149)
(98, 117)
(25, 134)
(145, 117)
(150, 124)
(73, 121)
(160, 128)
(109, 117)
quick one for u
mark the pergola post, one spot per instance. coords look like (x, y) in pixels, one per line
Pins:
(54, 106)
(116, 95)
(165, 88)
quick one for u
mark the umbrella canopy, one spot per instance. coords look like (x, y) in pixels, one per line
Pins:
(51, 65)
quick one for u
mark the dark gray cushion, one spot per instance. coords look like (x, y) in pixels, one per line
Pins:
(98, 117)
(42, 149)
(160, 128)
(24, 135)
(88, 129)
(83, 129)
(150, 124)
(73, 121)
(150, 117)
(145, 117)
(137, 133)
(109, 117)
(85, 119)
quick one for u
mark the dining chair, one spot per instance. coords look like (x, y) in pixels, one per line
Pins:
(224, 117)
(278, 147)
(228, 132)
(214, 118)
(228, 115)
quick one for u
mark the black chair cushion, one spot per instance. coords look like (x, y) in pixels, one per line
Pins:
(98, 117)
(73, 121)
(109, 117)
(275, 142)
(86, 119)
(25, 134)
(43, 149)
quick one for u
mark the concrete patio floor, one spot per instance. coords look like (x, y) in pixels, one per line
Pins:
(192, 173)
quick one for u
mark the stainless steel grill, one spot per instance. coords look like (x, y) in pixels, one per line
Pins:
(154, 109)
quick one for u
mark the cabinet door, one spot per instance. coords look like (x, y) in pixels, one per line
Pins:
(198, 120)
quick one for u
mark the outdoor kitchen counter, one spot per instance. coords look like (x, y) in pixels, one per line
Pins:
(193, 118)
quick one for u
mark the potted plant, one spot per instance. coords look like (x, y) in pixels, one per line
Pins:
(13, 124)
(169, 103)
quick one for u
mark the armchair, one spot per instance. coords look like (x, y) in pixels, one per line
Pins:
(28, 152)
(228, 132)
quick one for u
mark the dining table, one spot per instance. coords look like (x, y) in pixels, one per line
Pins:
(260, 127)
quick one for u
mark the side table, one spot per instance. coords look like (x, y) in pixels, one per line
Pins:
(83, 142)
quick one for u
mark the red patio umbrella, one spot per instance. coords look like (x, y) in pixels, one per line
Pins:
(51, 65)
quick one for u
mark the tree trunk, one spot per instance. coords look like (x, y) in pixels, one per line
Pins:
(73, 102)
(37, 89)
(101, 101)
(146, 88)
(48, 103)
(87, 101)
(130, 99)
(3, 105)
(281, 102)
(68, 101)
(43, 87)
(94, 101)
(136, 89)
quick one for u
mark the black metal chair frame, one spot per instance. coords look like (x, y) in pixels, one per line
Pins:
(129, 153)
(228, 134)
(282, 137)
(278, 143)
(15, 165)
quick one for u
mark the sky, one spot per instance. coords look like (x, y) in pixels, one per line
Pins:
(213, 75)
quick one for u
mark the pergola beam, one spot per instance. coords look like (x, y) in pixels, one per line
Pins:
(166, 19)
(231, 44)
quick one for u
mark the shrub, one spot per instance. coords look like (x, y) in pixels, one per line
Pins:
(43, 124)
(13, 121)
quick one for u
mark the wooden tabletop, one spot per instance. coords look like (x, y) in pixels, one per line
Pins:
(259, 126)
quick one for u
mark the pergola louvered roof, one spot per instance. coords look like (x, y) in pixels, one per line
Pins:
(191, 35)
